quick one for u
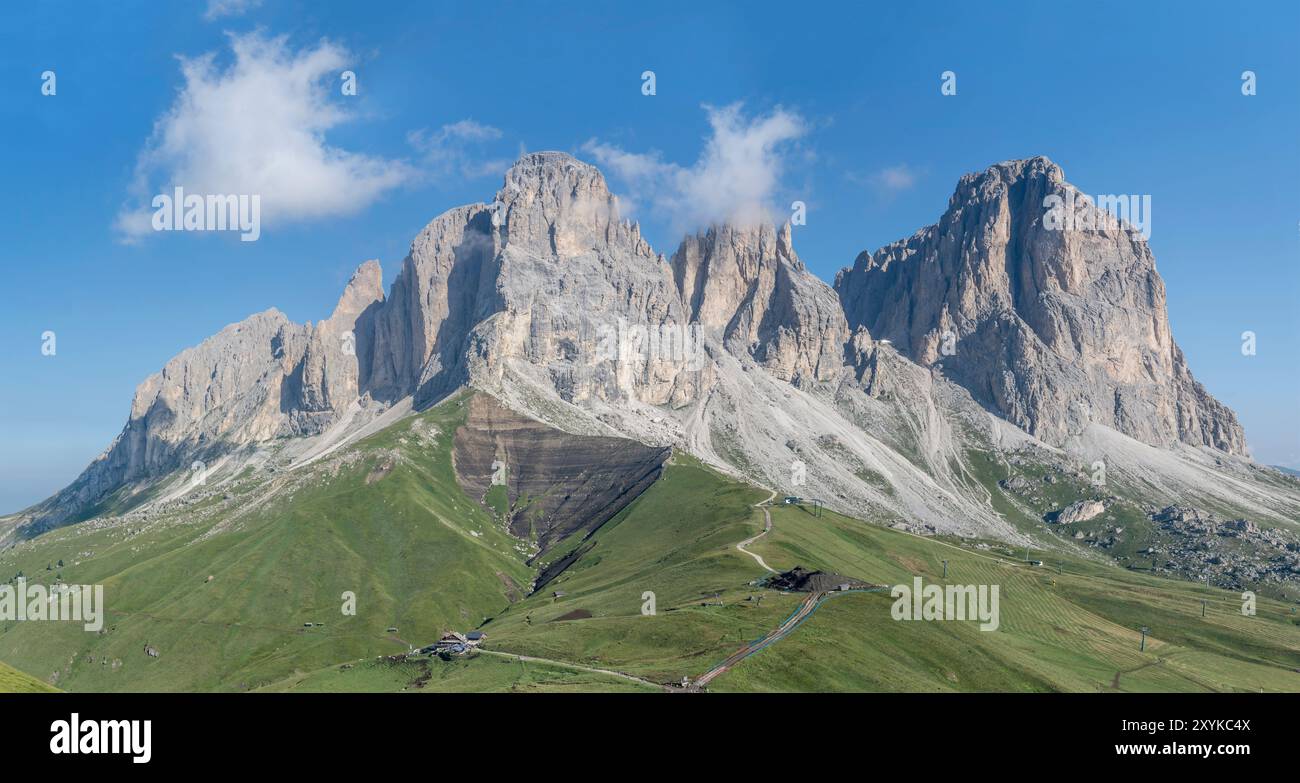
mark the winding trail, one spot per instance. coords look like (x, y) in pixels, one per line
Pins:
(767, 528)
(787, 626)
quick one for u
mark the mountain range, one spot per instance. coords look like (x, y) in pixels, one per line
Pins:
(543, 418)
(985, 331)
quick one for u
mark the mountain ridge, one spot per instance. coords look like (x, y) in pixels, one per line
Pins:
(785, 372)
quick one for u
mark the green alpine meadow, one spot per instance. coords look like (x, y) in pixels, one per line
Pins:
(245, 589)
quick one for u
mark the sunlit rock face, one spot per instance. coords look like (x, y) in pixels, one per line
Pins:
(1050, 325)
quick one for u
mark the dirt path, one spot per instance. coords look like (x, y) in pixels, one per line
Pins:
(806, 608)
(567, 665)
(767, 527)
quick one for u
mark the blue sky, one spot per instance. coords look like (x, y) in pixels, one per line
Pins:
(1126, 99)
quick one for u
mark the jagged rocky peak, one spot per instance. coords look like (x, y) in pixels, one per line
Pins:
(574, 280)
(1052, 324)
(989, 183)
(227, 390)
(365, 288)
(552, 200)
(717, 269)
(328, 379)
(748, 283)
(475, 262)
(446, 285)
(262, 378)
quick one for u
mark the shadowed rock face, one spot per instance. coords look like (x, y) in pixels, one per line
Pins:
(446, 287)
(749, 284)
(556, 483)
(1051, 329)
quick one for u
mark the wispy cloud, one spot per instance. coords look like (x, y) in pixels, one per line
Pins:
(735, 178)
(457, 149)
(218, 9)
(259, 127)
(888, 182)
(896, 178)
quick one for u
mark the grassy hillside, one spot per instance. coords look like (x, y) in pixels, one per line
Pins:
(224, 597)
(678, 541)
(1076, 629)
(1071, 624)
(14, 681)
(386, 521)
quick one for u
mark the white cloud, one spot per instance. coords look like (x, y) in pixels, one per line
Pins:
(258, 127)
(457, 149)
(735, 179)
(218, 9)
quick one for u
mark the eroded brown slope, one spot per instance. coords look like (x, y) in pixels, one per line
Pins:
(556, 483)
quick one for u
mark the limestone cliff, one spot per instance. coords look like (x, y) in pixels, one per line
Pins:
(1052, 329)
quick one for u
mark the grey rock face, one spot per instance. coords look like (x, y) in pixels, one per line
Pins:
(256, 380)
(229, 386)
(327, 379)
(751, 286)
(582, 293)
(446, 286)
(1050, 328)
(546, 282)
(719, 352)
